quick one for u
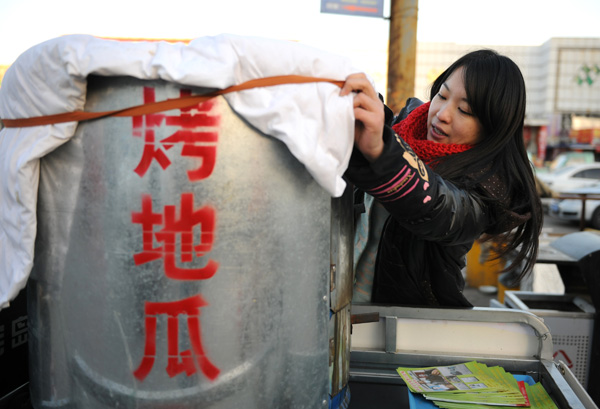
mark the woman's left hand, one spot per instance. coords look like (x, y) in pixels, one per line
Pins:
(369, 114)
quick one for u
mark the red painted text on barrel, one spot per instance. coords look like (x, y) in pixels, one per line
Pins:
(172, 225)
(188, 361)
(197, 130)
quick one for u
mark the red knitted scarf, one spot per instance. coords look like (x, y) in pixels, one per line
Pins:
(413, 129)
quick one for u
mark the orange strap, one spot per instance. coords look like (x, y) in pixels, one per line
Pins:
(154, 107)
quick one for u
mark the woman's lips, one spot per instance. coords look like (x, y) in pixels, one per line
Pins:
(437, 133)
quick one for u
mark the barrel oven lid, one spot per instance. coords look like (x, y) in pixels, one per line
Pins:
(314, 122)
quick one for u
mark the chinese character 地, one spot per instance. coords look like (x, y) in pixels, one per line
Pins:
(173, 225)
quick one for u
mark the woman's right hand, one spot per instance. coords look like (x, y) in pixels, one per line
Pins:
(369, 114)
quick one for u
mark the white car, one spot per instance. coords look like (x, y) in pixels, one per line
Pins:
(572, 177)
(570, 209)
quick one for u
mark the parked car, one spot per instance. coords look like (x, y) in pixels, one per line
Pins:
(570, 158)
(572, 177)
(570, 209)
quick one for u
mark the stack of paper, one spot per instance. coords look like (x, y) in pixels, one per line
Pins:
(473, 385)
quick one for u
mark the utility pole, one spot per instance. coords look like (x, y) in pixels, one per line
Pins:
(402, 53)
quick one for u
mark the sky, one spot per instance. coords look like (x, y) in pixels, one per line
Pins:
(25, 23)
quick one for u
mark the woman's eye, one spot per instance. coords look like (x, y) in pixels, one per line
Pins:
(466, 112)
(443, 98)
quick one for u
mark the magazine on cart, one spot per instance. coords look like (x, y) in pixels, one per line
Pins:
(474, 385)
(468, 376)
(538, 399)
(470, 382)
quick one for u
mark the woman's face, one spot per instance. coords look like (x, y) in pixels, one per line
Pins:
(450, 119)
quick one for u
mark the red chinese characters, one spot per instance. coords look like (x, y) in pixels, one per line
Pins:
(198, 132)
(178, 362)
(172, 225)
(178, 235)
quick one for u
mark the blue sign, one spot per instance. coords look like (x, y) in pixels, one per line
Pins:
(369, 8)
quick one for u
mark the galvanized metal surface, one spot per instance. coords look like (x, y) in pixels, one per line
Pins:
(261, 320)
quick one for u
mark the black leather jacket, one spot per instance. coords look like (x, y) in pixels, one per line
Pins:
(432, 226)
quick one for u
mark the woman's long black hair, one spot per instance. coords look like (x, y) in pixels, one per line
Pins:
(496, 94)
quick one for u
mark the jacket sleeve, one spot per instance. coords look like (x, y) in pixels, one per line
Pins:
(418, 198)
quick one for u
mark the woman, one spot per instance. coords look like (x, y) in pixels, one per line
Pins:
(448, 172)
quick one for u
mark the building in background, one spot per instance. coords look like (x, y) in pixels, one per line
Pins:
(562, 77)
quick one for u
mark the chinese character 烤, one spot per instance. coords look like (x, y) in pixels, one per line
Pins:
(198, 131)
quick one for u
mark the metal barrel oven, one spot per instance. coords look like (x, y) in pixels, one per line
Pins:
(183, 259)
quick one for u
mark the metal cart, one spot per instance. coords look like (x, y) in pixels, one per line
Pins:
(519, 341)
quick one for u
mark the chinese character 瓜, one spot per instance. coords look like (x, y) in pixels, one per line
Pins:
(178, 362)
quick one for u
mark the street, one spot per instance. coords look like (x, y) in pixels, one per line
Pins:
(556, 227)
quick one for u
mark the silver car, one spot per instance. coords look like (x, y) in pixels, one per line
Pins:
(570, 209)
(581, 175)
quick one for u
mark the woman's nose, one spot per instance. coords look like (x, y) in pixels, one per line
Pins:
(443, 114)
